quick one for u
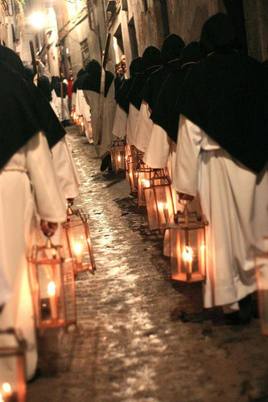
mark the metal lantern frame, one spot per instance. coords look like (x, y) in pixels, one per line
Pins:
(118, 155)
(188, 249)
(144, 176)
(261, 266)
(58, 308)
(159, 201)
(17, 352)
(79, 219)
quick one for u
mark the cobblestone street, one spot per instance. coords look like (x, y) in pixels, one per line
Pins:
(130, 345)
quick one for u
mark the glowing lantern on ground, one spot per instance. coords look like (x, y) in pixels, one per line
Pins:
(159, 201)
(262, 283)
(53, 287)
(144, 176)
(12, 367)
(188, 248)
(118, 155)
(78, 242)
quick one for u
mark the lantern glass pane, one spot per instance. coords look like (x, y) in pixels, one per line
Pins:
(159, 203)
(12, 370)
(188, 253)
(118, 157)
(144, 176)
(78, 243)
(262, 283)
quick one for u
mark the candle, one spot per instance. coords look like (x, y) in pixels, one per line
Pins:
(187, 256)
(119, 158)
(145, 182)
(78, 248)
(51, 291)
(163, 211)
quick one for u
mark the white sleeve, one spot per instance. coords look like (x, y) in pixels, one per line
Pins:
(50, 205)
(65, 169)
(187, 157)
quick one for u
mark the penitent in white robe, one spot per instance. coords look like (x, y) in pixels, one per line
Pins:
(60, 106)
(27, 183)
(235, 207)
(144, 126)
(120, 123)
(65, 169)
(92, 99)
(107, 121)
(132, 124)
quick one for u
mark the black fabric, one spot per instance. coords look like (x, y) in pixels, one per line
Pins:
(171, 50)
(18, 122)
(167, 109)
(24, 110)
(76, 83)
(44, 85)
(122, 97)
(91, 80)
(218, 33)
(56, 83)
(226, 96)
(151, 60)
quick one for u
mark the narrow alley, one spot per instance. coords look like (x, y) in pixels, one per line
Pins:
(131, 345)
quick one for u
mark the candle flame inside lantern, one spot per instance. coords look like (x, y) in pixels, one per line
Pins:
(78, 248)
(145, 182)
(51, 289)
(187, 254)
(119, 158)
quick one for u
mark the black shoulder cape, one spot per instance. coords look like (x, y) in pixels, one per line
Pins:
(226, 95)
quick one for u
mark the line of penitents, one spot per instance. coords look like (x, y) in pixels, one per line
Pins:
(202, 110)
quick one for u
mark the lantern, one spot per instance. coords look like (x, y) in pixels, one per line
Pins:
(53, 287)
(12, 367)
(118, 155)
(159, 201)
(262, 284)
(188, 248)
(144, 176)
(78, 242)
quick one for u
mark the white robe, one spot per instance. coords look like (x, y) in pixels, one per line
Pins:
(65, 169)
(60, 107)
(120, 123)
(92, 99)
(144, 126)
(27, 182)
(158, 148)
(235, 207)
(107, 122)
(131, 124)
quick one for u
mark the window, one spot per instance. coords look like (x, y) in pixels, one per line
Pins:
(133, 38)
(85, 51)
(145, 5)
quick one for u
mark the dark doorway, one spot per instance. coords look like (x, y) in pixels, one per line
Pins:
(235, 10)
(133, 38)
(164, 15)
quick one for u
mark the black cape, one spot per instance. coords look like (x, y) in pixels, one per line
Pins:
(44, 86)
(91, 80)
(151, 60)
(24, 110)
(226, 95)
(166, 112)
(122, 96)
(56, 83)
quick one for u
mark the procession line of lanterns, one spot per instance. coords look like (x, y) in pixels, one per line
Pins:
(12, 376)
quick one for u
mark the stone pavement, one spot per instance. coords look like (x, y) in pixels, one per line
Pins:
(131, 346)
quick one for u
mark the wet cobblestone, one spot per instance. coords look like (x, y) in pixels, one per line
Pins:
(130, 345)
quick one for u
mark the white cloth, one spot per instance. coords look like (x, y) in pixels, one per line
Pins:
(92, 99)
(228, 195)
(60, 106)
(158, 148)
(131, 124)
(108, 114)
(65, 169)
(120, 123)
(144, 126)
(30, 168)
(83, 109)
